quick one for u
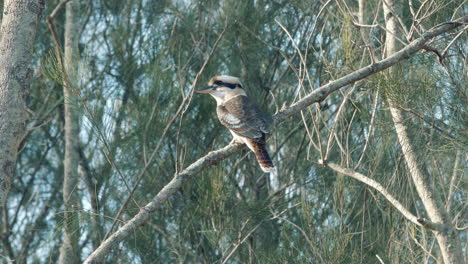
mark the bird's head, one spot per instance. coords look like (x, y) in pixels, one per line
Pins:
(223, 88)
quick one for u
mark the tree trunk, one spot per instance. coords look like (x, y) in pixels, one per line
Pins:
(448, 242)
(17, 34)
(69, 251)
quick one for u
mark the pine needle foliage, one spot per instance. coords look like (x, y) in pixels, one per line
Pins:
(141, 124)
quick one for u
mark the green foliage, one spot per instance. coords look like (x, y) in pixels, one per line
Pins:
(138, 64)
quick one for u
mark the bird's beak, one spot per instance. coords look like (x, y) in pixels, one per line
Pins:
(205, 90)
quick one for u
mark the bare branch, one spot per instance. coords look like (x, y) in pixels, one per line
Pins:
(382, 190)
(435, 51)
(338, 117)
(453, 183)
(57, 9)
(240, 243)
(444, 52)
(174, 185)
(321, 93)
(363, 25)
(371, 129)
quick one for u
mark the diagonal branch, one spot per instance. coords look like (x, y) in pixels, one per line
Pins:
(216, 156)
(321, 93)
(174, 185)
(388, 196)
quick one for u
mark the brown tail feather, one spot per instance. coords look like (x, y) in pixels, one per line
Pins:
(262, 156)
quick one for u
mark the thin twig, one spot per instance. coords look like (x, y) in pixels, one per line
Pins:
(57, 9)
(444, 52)
(337, 119)
(453, 180)
(371, 129)
(240, 243)
(381, 261)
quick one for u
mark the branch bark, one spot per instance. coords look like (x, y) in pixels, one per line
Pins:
(216, 156)
(69, 251)
(18, 31)
(390, 198)
(448, 242)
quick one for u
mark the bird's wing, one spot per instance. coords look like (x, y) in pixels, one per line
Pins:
(243, 116)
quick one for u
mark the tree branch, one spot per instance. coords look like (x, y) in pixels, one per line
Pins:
(57, 9)
(382, 190)
(321, 93)
(216, 156)
(174, 185)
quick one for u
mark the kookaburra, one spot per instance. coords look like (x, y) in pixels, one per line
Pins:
(241, 116)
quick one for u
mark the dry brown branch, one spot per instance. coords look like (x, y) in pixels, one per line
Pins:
(216, 156)
(435, 51)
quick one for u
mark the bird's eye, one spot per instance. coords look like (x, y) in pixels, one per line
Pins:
(218, 82)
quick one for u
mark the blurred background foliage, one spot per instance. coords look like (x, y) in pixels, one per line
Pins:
(138, 63)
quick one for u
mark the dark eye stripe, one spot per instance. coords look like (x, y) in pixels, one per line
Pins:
(229, 85)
